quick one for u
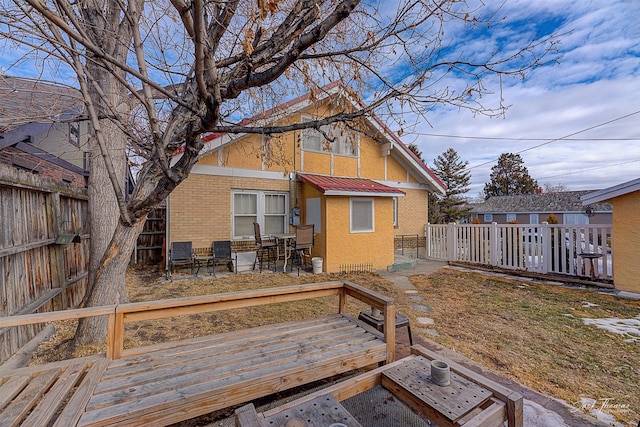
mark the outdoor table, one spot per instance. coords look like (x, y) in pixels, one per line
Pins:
(590, 257)
(287, 239)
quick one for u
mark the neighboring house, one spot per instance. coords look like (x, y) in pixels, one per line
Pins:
(566, 206)
(39, 129)
(357, 191)
(625, 199)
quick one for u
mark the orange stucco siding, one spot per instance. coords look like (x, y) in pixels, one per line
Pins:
(626, 241)
(318, 163)
(345, 166)
(395, 171)
(243, 153)
(344, 247)
(373, 166)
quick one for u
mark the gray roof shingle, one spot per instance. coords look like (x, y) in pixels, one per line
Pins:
(565, 201)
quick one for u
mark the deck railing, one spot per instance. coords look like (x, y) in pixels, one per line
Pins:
(575, 250)
(121, 314)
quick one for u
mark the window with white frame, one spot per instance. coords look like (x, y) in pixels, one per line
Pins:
(511, 217)
(269, 209)
(395, 212)
(488, 217)
(340, 140)
(361, 215)
(74, 133)
(533, 218)
(575, 219)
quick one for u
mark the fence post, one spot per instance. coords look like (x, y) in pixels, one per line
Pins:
(547, 252)
(451, 242)
(495, 244)
(427, 236)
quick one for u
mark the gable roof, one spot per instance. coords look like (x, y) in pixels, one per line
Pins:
(611, 192)
(564, 201)
(334, 186)
(396, 147)
(24, 101)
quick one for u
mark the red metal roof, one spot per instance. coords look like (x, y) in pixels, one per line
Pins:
(331, 185)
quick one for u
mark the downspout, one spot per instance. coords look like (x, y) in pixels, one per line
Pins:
(166, 236)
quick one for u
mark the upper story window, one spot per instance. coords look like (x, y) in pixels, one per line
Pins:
(341, 140)
(74, 133)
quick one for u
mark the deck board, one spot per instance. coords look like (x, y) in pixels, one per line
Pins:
(167, 383)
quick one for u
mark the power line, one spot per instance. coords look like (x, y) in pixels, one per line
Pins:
(508, 138)
(590, 169)
(564, 137)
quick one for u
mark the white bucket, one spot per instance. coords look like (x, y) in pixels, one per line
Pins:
(317, 265)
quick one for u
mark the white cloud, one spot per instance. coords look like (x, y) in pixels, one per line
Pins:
(597, 80)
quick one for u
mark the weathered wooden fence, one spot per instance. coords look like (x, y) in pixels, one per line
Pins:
(576, 250)
(41, 268)
(150, 244)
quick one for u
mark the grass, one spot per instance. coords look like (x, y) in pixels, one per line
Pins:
(532, 333)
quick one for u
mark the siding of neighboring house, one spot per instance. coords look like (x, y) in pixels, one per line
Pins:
(565, 206)
(25, 161)
(626, 242)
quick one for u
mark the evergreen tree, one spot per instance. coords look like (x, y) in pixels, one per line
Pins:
(452, 171)
(510, 177)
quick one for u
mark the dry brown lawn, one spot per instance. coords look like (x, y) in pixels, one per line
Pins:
(531, 333)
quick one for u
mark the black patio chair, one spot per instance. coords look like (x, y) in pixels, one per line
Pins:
(304, 241)
(181, 254)
(222, 254)
(264, 248)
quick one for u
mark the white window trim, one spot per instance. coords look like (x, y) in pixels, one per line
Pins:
(488, 217)
(373, 219)
(513, 217)
(356, 141)
(260, 211)
(395, 212)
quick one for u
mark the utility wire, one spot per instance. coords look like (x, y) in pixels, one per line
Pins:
(564, 137)
(590, 169)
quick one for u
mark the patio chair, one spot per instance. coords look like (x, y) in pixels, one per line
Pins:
(264, 248)
(304, 241)
(181, 254)
(222, 254)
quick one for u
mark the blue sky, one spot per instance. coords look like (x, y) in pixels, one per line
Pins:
(576, 123)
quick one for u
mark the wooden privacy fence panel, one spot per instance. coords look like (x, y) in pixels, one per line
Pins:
(36, 274)
(150, 244)
(575, 250)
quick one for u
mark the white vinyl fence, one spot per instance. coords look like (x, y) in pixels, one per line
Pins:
(576, 250)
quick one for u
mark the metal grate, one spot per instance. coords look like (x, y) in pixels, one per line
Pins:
(356, 268)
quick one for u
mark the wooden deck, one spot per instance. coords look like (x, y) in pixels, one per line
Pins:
(163, 384)
(498, 407)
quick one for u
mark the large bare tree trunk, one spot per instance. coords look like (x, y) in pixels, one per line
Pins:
(109, 282)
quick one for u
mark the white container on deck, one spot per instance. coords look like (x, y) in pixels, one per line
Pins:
(317, 265)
